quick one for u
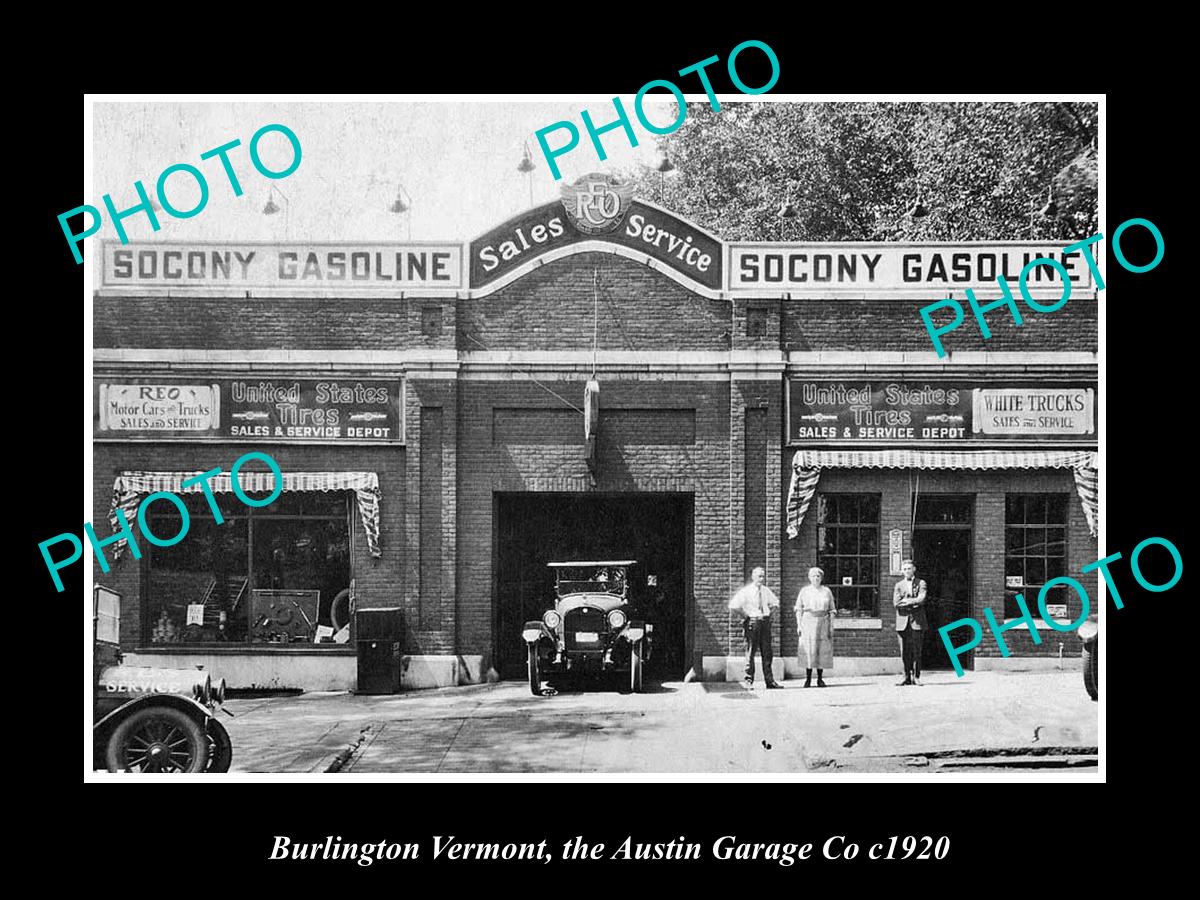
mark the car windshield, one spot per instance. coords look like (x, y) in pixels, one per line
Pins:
(599, 579)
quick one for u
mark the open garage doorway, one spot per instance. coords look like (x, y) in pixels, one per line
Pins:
(533, 529)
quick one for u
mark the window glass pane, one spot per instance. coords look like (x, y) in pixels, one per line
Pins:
(301, 565)
(868, 569)
(868, 601)
(1011, 610)
(868, 512)
(1056, 508)
(827, 507)
(825, 543)
(1056, 542)
(1036, 505)
(848, 540)
(209, 567)
(1035, 570)
(1035, 541)
(1014, 508)
(326, 503)
(1056, 567)
(1014, 540)
(868, 541)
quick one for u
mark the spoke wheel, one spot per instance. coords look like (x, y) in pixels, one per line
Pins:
(635, 667)
(220, 748)
(535, 678)
(1091, 671)
(160, 739)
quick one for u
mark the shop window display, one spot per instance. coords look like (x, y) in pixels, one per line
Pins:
(1035, 549)
(848, 550)
(279, 574)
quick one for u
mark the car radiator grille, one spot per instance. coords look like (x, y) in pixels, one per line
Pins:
(578, 620)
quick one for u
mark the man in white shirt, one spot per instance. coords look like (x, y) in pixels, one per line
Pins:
(755, 602)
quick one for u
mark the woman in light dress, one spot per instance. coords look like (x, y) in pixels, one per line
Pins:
(815, 608)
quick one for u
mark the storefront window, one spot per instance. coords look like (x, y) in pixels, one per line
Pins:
(1035, 549)
(267, 575)
(848, 550)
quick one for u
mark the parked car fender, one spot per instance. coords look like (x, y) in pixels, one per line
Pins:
(103, 728)
(535, 631)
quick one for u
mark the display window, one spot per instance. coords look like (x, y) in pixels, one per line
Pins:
(279, 574)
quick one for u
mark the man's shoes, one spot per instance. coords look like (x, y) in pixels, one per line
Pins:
(748, 682)
(808, 684)
(917, 682)
(774, 685)
(821, 683)
(904, 682)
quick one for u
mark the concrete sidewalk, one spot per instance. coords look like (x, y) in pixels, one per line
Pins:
(862, 724)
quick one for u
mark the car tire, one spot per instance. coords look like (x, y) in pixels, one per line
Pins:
(220, 754)
(535, 679)
(158, 739)
(1091, 671)
(635, 667)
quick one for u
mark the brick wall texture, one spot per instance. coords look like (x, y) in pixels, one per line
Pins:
(713, 433)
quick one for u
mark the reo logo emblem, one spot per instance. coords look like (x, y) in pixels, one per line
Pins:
(596, 203)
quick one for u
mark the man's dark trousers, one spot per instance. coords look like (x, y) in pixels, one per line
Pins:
(758, 636)
(910, 650)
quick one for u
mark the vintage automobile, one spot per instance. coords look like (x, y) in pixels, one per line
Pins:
(593, 627)
(151, 719)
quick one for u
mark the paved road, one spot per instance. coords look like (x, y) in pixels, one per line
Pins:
(984, 721)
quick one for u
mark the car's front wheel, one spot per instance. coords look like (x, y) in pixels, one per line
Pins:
(535, 678)
(158, 739)
(1091, 671)
(635, 667)
(220, 749)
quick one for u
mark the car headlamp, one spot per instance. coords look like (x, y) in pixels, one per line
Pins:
(616, 619)
(551, 619)
(203, 690)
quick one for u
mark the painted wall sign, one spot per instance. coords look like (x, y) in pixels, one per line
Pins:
(1033, 411)
(283, 267)
(824, 269)
(193, 409)
(597, 208)
(277, 410)
(919, 412)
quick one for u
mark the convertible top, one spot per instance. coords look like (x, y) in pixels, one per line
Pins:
(602, 562)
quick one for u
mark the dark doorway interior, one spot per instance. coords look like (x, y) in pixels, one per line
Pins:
(942, 552)
(535, 529)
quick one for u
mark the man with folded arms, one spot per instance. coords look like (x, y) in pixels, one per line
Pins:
(911, 624)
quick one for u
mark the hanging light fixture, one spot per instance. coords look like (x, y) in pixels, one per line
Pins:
(270, 209)
(1050, 210)
(786, 210)
(525, 166)
(403, 204)
(918, 210)
(663, 165)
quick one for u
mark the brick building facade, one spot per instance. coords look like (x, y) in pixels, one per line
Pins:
(484, 477)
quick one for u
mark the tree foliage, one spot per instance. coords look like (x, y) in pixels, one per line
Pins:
(854, 171)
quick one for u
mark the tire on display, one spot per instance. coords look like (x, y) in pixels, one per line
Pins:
(158, 739)
(535, 680)
(1091, 671)
(635, 667)
(220, 749)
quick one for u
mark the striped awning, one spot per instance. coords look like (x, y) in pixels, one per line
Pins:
(807, 465)
(130, 487)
